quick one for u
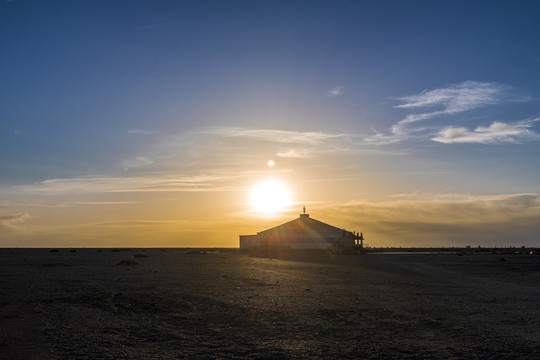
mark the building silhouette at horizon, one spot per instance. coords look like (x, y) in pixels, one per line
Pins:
(303, 232)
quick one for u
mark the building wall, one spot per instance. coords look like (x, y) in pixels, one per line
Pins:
(301, 233)
(248, 241)
(299, 239)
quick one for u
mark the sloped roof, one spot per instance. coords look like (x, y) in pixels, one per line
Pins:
(303, 223)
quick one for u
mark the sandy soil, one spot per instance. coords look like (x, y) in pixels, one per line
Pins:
(227, 305)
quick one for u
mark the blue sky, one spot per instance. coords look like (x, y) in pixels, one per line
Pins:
(153, 115)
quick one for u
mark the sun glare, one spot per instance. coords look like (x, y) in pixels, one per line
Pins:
(270, 197)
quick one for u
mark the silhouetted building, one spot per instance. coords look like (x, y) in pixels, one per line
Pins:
(301, 233)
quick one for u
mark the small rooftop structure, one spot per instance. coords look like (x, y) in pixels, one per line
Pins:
(301, 233)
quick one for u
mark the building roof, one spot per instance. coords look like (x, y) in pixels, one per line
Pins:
(301, 224)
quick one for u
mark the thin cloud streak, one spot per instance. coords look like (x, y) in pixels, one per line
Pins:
(139, 161)
(271, 135)
(151, 183)
(294, 154)
(496, 133)
(235, 145)
(302, 144)
(157, 182)
(99, 203)
(12, 221)
(467, 95)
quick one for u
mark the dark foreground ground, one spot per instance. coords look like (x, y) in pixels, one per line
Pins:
(227, 305)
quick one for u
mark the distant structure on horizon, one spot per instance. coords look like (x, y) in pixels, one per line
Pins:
(304, 233)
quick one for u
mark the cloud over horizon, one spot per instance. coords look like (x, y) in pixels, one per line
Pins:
(446, 219)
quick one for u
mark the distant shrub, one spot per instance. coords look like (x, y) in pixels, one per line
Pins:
(128, 263)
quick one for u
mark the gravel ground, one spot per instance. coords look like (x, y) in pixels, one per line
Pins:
(176, 304)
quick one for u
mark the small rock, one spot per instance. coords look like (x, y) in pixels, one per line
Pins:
(128, 263)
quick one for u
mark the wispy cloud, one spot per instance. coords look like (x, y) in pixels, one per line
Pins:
(497, 132)
(12, 221)
(452, 100)
(99, 203)
(155, 22)
(458, 97)
(286, 144)
(336, 91)
(156, 182)
(137, 162)
(206, 160)
(221, 147)
(272, 135)
(294, 153)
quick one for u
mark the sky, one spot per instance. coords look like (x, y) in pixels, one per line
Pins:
(149, 123)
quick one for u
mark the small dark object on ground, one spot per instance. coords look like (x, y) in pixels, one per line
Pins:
(128, 263)
(140, 255)
(72, 250)
(55, 264)
(502, 259)
(54, 250)
(115, 250)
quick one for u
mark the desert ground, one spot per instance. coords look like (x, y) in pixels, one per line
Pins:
(224, 304)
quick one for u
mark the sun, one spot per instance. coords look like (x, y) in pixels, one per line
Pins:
(270, 197)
